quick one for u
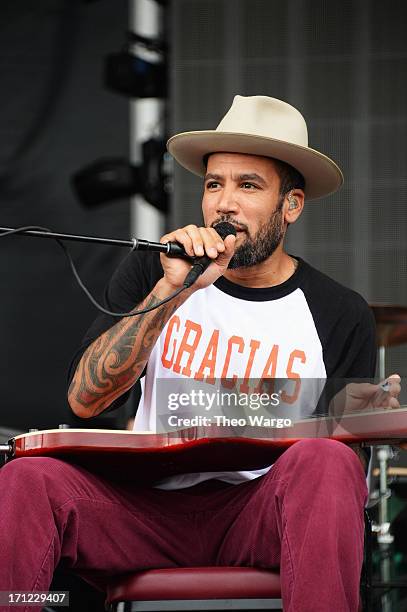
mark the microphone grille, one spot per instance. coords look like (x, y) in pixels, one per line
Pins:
(224, 229)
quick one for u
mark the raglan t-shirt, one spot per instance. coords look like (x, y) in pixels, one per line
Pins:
(309, 327)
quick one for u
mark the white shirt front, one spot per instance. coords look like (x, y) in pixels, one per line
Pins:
(215, 336)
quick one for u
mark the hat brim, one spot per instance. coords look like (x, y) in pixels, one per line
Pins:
(322, 176)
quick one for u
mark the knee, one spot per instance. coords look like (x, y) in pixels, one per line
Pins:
(323, 465)
(321, 447)
(27, 476)
(28, 466)
(325, 453)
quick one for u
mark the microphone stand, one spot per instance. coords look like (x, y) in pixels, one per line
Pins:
(135, 244)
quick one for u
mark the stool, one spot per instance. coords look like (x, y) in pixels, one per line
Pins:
(195, 588)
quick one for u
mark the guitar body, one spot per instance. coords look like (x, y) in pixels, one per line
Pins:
(147, 457)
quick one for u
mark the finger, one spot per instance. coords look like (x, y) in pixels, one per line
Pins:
(181, 236)
(395, 389)
(220, 245)
(393, 403)
(391, 387)
(361, 389)
(209, 241)
(394, 377)
(197, 241)
(390, 390)
(394, 381)
(229, 243)
(387, 400)
(213, 243)
(204, 241)
(389, 380)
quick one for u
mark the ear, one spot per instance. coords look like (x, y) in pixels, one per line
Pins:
(293, 205)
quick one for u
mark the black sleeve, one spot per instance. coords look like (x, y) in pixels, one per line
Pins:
(347, 331)
(130, 284)
(350, 349)
(345, 326)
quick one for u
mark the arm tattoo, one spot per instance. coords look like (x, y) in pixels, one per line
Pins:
(114, 362)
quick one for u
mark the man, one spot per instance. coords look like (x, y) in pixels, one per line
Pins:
(255, 313)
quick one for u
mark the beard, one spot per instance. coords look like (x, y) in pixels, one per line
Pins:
(256, 249)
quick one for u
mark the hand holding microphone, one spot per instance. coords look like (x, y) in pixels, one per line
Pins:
(205, 245)
(200, 264)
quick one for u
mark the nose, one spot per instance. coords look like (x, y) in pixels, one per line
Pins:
(226, 202)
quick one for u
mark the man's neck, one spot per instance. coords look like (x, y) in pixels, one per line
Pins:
(273, 271)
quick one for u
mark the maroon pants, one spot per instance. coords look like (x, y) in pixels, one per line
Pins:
(305, 515)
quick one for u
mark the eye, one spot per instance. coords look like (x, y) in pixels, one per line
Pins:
(249, 186)
(212, 185)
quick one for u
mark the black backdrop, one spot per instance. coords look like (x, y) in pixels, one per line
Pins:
(55, 117)
(343, 63)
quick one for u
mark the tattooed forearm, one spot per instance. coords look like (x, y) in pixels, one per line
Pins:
(114, 362)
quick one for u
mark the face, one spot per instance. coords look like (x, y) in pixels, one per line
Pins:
(244, 190)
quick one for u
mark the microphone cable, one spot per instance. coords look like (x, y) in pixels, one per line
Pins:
(82, 285)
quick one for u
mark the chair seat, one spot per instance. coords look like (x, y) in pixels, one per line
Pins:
(195, 583)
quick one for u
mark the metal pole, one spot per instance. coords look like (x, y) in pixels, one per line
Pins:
(146, 116)
(172, 249)
(384, 537)
(382, 362)
(73, 237)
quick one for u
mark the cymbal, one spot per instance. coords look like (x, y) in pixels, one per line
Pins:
(391, 324)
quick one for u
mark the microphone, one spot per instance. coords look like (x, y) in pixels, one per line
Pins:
(202, 263)
(171, 249)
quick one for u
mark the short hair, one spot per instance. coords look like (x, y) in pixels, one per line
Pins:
(289, 177)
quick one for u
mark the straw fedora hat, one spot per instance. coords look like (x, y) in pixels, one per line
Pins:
(259, 125)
